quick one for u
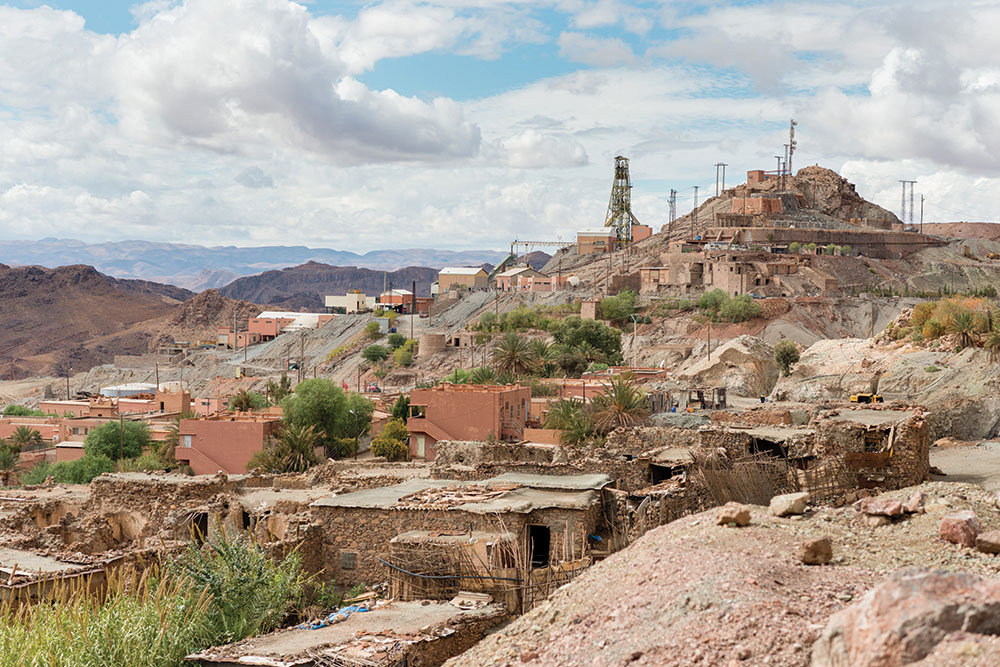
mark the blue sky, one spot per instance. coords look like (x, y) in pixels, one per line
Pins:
(470, 122)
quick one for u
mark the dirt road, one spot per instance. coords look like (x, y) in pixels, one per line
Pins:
(978, 464)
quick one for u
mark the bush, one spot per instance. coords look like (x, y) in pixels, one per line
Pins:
(786, 353)
(794, 247)
(931, 369)
(830, 249)
(144, 463)
(390, 449)
(375, 353)
(922, 312)
(125, 439)
(401, 408)
(712, 301)
(932, 329)
(618, 308)
(740, 309)
(14, 410)
(81, 471)
(342, 448)
(395, 429)
(250, 593)
(395, 340)
(403, 356)
(372, 331)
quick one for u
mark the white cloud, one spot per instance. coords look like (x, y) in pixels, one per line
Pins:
(531, 149)
(597, 51)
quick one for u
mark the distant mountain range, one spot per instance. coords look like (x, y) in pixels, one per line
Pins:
(197, 268)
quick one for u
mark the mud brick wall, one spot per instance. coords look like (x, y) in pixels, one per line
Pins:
(353, 539)
(645, 438)
(468, 632)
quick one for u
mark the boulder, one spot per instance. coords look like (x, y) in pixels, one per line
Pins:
(960, 528)
(989, 542)
(745, 365)
(789, 503)
(876, 520)
(881, 506)
(915, 503)
(903, 619)
(733, 513)
(817, 551)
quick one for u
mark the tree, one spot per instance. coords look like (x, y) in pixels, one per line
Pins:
(14, 410)
(573, 418)
(320, 404)
(372, 330)
(794, 247)
(786, 353)
(395, 429)
(401, 408)
(618, 308)
(963, 323)
(114, 440)
(482, 375)
(10, 463)
(623, 403)
(740, 309)
(712, 301)
(572, 331)
(375, 354)
(845, 250)
(24, 437)
(293, 450)
(359, 416)
(831, 249)
(992, 344)
(395, 340)
(512, 355)
(277, 391)
(246, 401)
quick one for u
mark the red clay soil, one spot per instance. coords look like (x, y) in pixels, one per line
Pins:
(989, 231)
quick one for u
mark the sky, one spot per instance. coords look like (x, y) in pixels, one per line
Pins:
(466, 124)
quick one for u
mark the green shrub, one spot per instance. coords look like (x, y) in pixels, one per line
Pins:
(395, 340)
(372, 331)
(375, 353)
(144, 463)
(395, 429)
(80, 471)
(14, 410)
(712, 301)
(932, 369)
(740, 309)
(786, 353)
(794, 247)
(403, 356)
(390, 449)
(932, 329)
(618, 308)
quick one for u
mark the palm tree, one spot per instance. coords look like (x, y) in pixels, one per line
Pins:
(512, 355)
(623, 403)
(992, 344)
(544, 357)
(24, 437)
(10, 463)
(563, 413)
(482, 375)
(294, 450)
(963, 323)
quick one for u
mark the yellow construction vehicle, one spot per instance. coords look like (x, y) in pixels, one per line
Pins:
(866, 398)
(992, 255)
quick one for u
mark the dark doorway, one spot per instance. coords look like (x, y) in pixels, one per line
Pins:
(199, 527)
(539, 538)
(246, 520)
(659, 474)
(762, 446)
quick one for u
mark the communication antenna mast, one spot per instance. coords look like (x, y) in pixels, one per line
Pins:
(620, 205)
(694, 212)
(792, 145)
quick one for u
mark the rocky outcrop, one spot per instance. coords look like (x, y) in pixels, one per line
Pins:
(903, 619)
(744, 365)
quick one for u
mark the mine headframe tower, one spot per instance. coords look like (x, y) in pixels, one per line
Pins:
(620, 206)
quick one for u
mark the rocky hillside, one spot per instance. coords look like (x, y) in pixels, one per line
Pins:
(989, 231)
(53, 318)
(693, 592)
(304, 287)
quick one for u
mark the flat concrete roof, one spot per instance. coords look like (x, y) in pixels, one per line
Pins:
(28, 563)
(459, 538)
(292, 646)
(873, 417)
(533, 492)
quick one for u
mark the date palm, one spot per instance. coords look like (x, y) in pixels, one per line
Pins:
(10, 463)
(24, 437)
(513, 355)
(623, 403)
(293, 450)
(963, 323)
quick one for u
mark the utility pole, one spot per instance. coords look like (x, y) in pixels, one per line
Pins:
(156, 366)
(720, 166)
(413, 307)
(922, 216)
(672, 215)
(67, 385)
(911, 201)
(635, 340)
(302, 355)
(780, 173)
(709, 356)
(121, 431)
(694, 211)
